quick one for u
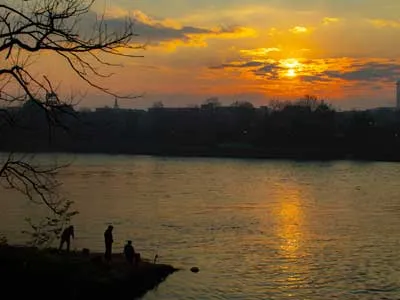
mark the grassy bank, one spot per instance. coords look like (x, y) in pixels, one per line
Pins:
(45, 274)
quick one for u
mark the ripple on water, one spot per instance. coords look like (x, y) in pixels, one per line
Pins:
(266, 230)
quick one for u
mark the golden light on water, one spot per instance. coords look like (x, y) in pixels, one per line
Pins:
(290, 220)
(290, 232)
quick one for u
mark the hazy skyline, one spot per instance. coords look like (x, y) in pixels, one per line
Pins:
(344, 51)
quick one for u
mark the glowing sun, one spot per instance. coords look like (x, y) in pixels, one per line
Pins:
(291, 65)
(291, 73)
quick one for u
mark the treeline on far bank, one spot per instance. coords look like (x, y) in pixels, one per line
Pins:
(304, 129)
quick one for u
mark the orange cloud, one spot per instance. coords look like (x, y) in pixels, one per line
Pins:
(299, 29)
(259, 52)
(381, 23)
(321, 71)
(200, 39)
(329, 20)
(170, 34)
(145, 19)
(115, 12)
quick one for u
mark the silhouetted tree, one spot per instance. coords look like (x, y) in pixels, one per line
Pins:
(158, 104)
(277, 105)
(243, 105)
(211, 103)
(309, 101)
(28, 29)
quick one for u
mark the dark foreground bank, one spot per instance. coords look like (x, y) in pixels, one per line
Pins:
(46, 274)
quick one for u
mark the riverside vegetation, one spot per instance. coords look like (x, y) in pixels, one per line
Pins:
(305, 129)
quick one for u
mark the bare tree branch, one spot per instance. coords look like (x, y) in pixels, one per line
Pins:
(30, 29)
(54, 26)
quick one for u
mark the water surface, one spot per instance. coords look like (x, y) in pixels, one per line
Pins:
(257, 229)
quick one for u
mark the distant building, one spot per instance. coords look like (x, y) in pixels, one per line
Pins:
(106, 108)
(51, 99)
(116, 106)
(398, 94)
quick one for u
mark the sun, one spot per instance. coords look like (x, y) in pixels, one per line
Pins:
(290, 65)
(291, 73)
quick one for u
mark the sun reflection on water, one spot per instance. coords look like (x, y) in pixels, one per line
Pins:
(290, 232)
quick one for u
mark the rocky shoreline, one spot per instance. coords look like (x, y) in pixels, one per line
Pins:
(48, 274)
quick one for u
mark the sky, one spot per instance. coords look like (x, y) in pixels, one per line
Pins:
(343, 51)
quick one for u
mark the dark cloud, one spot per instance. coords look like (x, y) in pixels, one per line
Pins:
(157, 32)
(369, 71)
(252, 64)
(154, 31)
(249, 64)
(269, 70)
(314, 78)
(359, 71)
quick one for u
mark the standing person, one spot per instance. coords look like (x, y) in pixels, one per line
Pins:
(66, 237)
(108, 240)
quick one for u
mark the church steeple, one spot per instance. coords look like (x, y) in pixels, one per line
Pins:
(116, 106)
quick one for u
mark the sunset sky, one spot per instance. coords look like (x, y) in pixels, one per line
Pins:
(345, 51)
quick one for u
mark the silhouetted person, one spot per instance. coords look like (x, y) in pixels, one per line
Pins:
(66, 237)
(129, 252)
(108, 240)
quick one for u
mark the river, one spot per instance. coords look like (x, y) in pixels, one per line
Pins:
(257, 229)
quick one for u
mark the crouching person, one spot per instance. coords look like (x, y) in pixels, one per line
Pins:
(131, 256)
